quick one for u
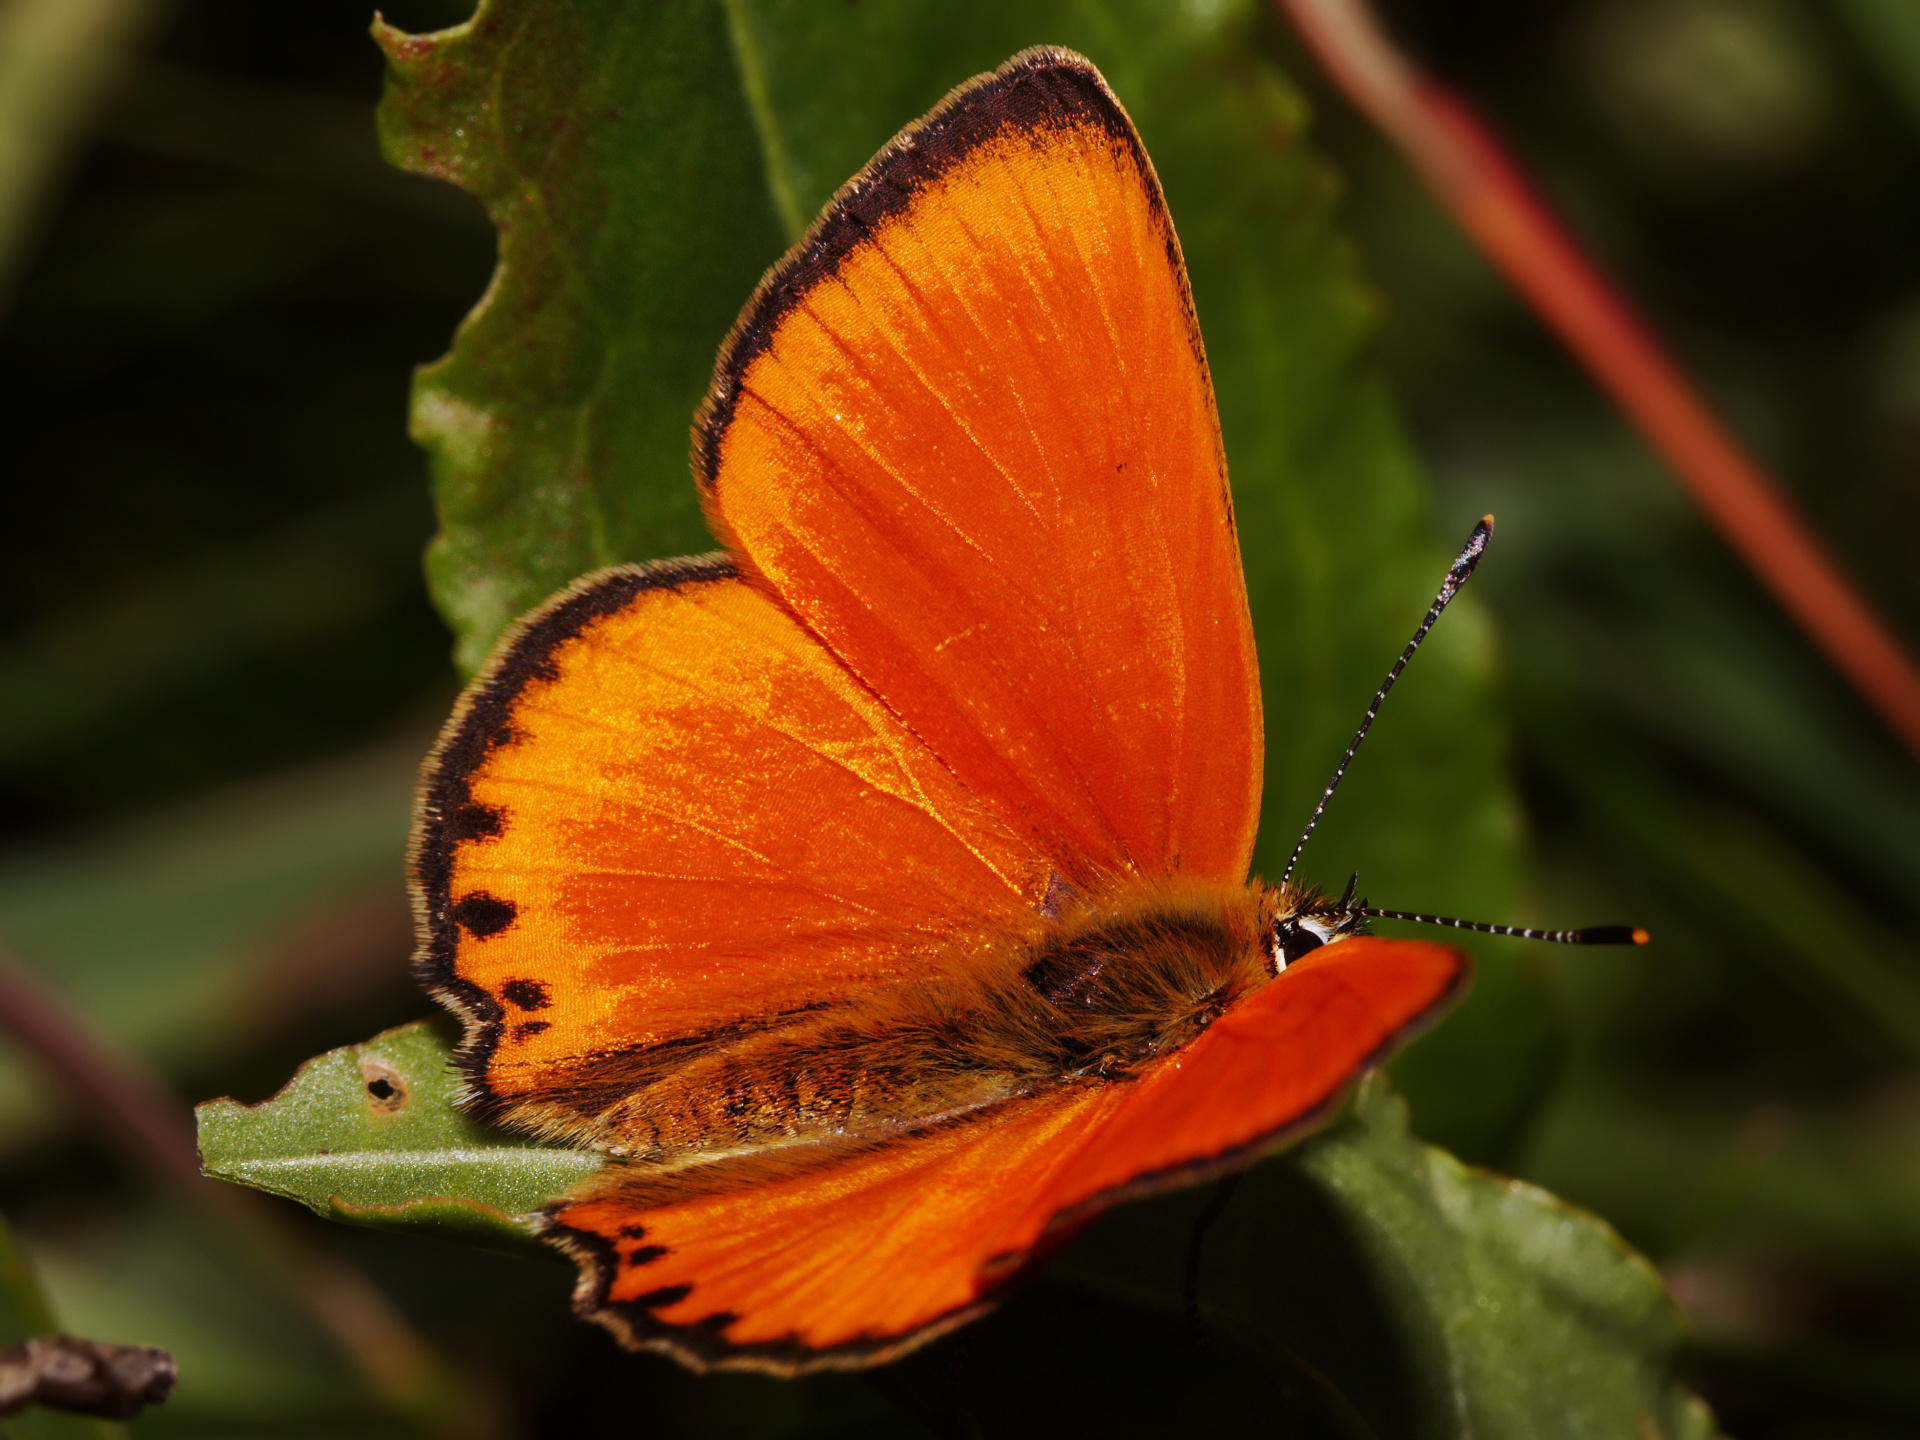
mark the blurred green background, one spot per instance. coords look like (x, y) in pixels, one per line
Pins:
(218, 666)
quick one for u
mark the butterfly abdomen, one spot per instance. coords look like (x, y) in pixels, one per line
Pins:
(867, 1075)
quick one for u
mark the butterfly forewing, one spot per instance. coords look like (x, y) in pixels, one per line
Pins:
(668, 817)
(966, 432)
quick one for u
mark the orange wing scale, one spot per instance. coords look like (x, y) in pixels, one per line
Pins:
(855, 1261)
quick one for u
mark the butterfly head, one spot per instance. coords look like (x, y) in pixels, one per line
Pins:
(1302, 918)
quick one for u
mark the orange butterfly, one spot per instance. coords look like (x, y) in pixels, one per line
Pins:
(876, 888)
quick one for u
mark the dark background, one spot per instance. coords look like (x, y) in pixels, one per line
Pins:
(218, 664)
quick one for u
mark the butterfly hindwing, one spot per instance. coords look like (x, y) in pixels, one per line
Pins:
(850, 1257)
(844, 1262)
(1265, 1072)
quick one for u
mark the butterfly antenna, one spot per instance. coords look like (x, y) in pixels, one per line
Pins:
(1457, 574)
(1594, 935)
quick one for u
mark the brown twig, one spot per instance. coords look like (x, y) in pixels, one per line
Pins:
(130, 1107)
(1472, 176)
(87, 1377)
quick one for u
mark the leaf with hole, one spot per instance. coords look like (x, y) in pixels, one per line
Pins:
(369, 1134)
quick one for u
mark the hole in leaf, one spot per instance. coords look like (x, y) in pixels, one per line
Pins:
(386, 1087)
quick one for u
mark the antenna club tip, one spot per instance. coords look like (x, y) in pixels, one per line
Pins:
(1486, 522)
(1640, 937)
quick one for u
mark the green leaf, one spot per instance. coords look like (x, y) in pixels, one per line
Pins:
(611, 148)
(660, 156)
(1476, 1305)
(1333, 526)
(369, 1134)
(1383, 1286)
(1422, 1296)
(1524, 1315)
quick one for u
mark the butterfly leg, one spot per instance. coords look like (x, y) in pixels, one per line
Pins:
(1203, 1222)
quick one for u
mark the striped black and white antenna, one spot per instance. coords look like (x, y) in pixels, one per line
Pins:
(1592, 935)
(1457, 575)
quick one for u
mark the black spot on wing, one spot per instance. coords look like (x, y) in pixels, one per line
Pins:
(672, 1295)
(475, 822)
(482, 915)
(527, 994)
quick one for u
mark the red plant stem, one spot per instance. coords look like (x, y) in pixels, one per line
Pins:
(1471, 175)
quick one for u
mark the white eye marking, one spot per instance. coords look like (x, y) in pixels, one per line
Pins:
(1321, 929)
(1314, 925)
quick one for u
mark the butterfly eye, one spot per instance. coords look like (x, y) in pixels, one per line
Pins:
(1294, 938)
